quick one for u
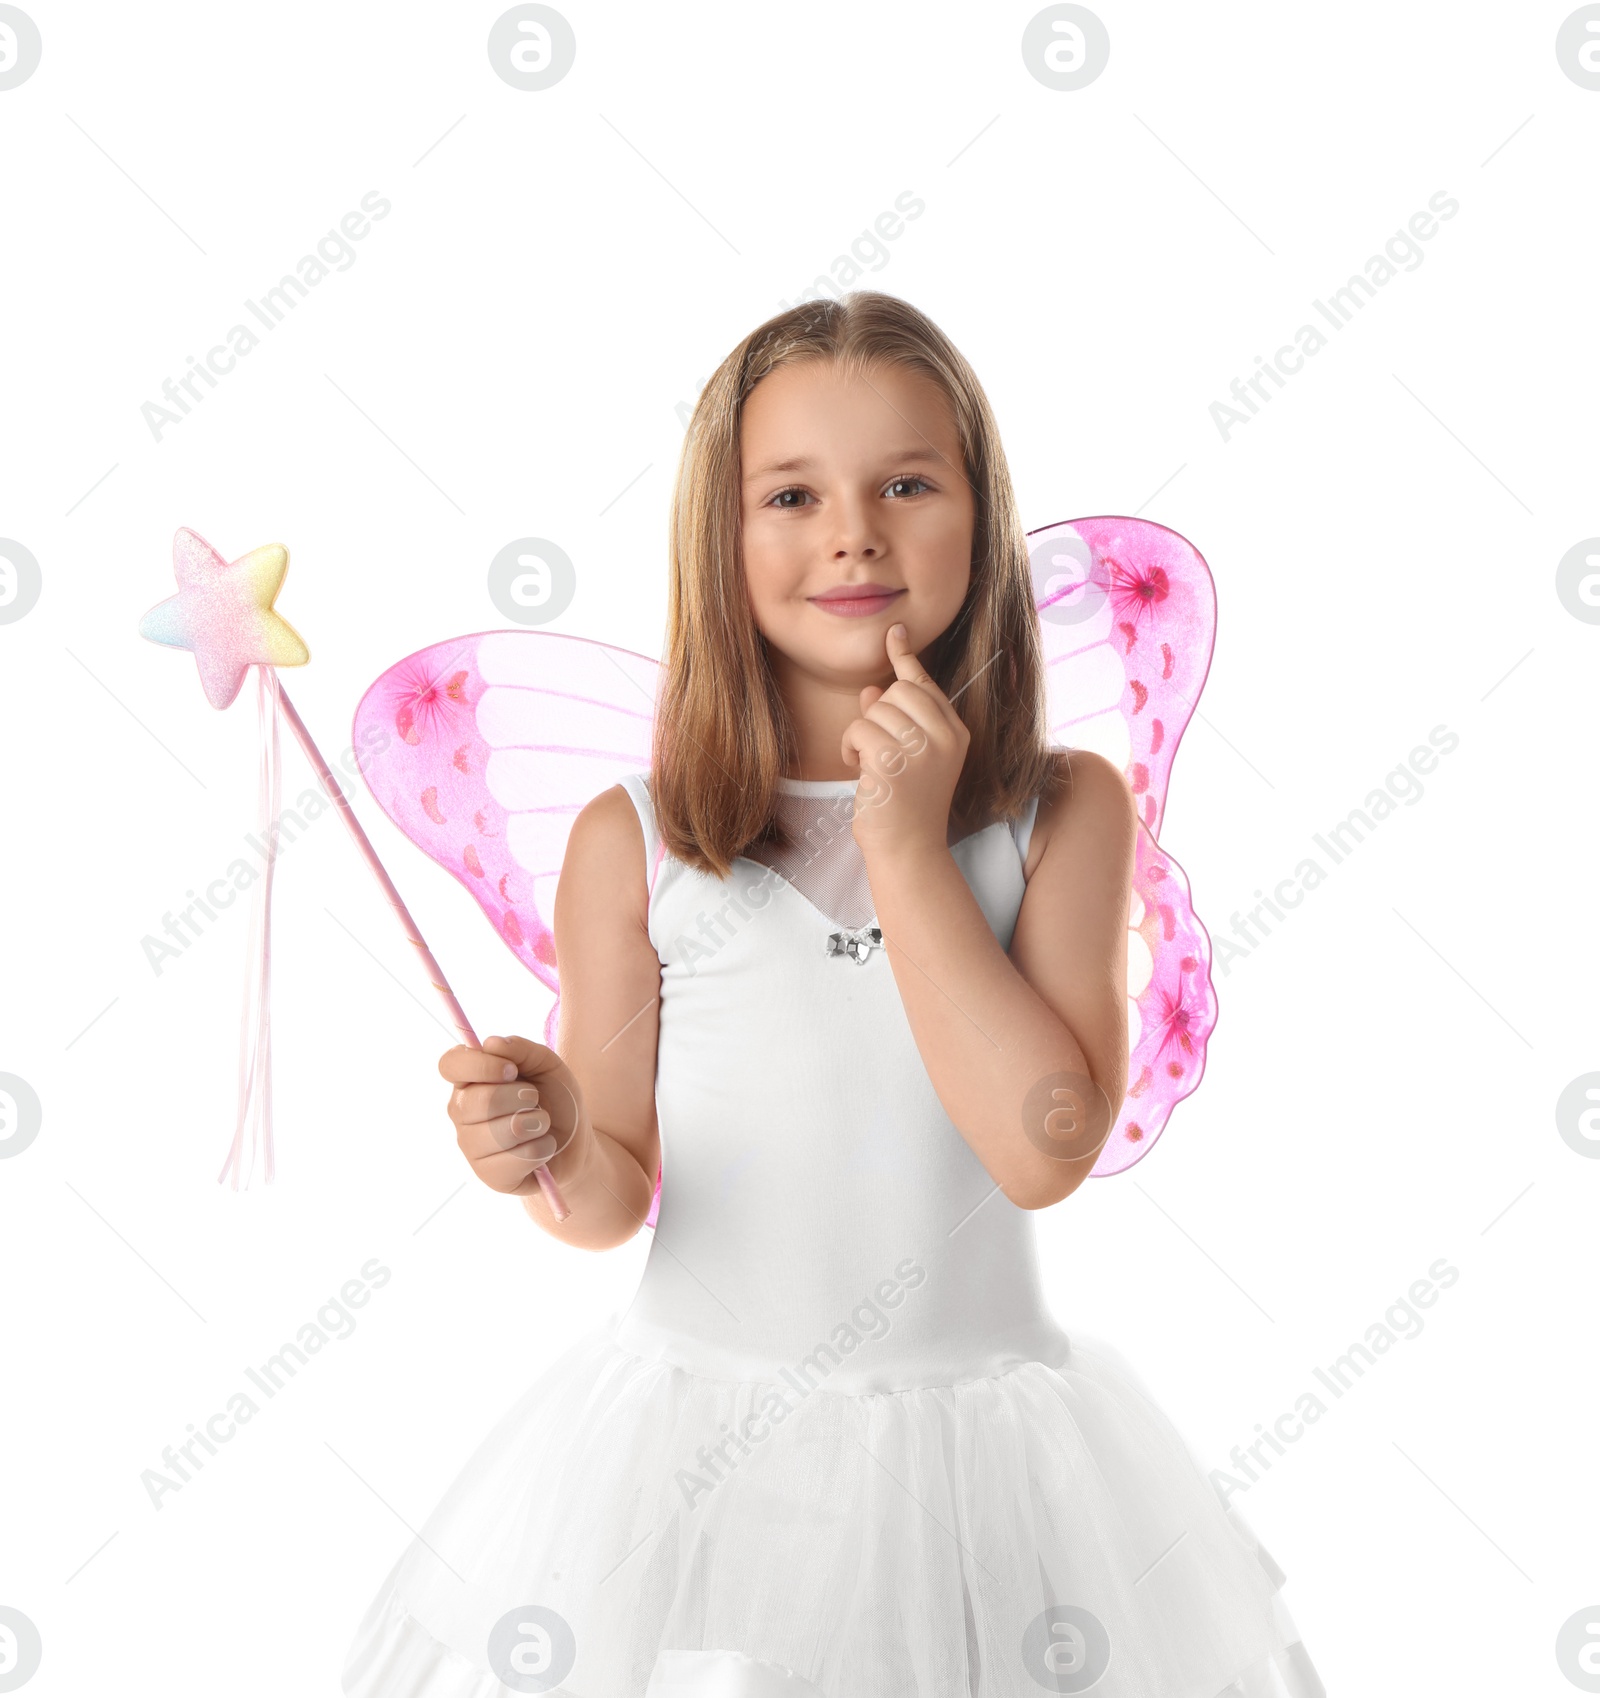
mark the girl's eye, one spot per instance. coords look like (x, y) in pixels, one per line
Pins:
(909, 477)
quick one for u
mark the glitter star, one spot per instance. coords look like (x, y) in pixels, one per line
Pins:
(224, 614)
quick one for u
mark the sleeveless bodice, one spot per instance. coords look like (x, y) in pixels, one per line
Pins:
(821, 1219)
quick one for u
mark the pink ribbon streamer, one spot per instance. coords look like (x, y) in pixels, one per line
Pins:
(255, 1017)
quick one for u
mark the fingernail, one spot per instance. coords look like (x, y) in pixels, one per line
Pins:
(897, 630)
(527, 1094)
(509, 1071)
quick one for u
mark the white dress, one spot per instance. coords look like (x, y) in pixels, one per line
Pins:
(837, 1445)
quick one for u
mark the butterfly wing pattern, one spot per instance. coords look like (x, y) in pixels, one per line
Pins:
(484, 749)
(1128, 615)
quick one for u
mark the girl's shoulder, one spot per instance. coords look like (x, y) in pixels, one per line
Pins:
(607, 858)
(1089, 796)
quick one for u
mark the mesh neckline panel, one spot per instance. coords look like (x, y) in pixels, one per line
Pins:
(820, 858)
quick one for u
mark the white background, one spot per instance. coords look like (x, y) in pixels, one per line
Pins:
(506, 356)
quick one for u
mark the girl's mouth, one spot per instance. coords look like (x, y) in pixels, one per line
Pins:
(856, 606)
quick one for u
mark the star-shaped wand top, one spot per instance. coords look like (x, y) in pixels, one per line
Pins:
(224, 614)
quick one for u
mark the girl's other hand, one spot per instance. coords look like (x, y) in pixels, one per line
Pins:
(516, 1107)
(909, 747)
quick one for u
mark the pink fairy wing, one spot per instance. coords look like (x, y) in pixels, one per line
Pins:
(1172, 1005)
(1128, 614)
(1127, 611)
(483, 750)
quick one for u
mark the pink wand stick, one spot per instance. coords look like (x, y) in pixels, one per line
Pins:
(413, 932)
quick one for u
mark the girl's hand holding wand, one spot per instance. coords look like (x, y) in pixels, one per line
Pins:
(518, 1111)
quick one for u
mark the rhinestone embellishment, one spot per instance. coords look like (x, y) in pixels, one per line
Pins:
(858, 943)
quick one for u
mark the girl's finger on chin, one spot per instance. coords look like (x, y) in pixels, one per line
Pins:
(903, 657)
(909, 670)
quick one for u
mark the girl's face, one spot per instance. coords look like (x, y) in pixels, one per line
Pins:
(852, 485)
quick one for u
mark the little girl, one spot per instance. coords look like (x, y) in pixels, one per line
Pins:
(853, 952)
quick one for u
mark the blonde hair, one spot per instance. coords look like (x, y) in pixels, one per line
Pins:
(722, 735)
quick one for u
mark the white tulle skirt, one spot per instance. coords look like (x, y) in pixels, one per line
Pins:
(1046, 1529)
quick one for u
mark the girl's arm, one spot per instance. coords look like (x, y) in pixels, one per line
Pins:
(1028, 1052)
(610, 999)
